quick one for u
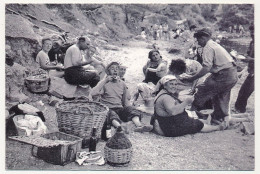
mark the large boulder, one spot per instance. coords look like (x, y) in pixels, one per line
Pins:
(18, 27)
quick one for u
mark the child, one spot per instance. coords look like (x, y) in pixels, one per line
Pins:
(113, 93)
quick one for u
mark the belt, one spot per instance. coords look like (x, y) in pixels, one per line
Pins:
(223, 70)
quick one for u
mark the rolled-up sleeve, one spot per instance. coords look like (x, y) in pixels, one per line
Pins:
(208, 57)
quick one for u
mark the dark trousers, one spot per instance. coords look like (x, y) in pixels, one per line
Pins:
(77, 75)
(216, 87)
(245, 91)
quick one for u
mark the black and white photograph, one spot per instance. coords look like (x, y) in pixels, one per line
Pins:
(136, 86)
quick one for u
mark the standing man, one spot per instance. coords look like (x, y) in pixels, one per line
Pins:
(247, 87)
(223, 78)
(75, 73)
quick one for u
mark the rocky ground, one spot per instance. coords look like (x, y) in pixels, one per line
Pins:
(223, 150)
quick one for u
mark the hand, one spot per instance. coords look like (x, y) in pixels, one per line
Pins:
(185, 78)
(59, 67)
(109, 78)
(189, 100)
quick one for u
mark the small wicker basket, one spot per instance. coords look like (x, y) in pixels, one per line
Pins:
(78, 117)
(118, 150)
(38, 83)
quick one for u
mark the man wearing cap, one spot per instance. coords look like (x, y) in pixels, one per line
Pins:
(75, 74)
(223, 78)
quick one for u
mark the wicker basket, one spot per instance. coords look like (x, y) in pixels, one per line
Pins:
(118, 150)
(60, 154)
(78, 117)
(38, 83)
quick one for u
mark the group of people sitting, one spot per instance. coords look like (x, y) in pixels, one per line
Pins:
(171, 117)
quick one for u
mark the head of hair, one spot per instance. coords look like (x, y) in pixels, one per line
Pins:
(45, 39)
(177, 66)
(151, 53)
(81, 39)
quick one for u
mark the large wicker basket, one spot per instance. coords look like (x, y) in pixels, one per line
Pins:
(38, 83)
(78, 117)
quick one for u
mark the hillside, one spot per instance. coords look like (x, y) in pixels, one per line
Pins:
(115, 31)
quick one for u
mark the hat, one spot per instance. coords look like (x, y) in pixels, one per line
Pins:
(112, 63)
(168, 78)
(203, 32)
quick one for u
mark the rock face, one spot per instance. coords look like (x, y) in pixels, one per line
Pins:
(18, 27)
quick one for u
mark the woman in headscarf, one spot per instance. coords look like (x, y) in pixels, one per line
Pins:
(171, 115)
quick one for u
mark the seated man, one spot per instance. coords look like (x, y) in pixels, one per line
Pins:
(75, 73)
(113, 93)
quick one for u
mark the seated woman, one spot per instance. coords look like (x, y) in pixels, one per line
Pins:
(171, 115)
(154, 70)
(43, 59)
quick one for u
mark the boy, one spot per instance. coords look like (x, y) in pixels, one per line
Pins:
(113, 93)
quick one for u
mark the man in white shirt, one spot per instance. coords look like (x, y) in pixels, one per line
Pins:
(75, 73)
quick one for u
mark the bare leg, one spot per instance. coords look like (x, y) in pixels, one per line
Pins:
(115, 123)
(210, 128)
(137, 122)
(140, 127)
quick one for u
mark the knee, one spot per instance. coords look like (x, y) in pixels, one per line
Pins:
(157, 128)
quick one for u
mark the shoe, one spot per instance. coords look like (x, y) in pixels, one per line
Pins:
(142, 129)
(125, 128)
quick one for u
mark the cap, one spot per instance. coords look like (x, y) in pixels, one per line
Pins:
(203, 32)
(168, 78)
(112, 63)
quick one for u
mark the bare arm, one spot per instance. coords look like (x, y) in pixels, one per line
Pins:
(43, 65)
(176, 109)
(160, 68)
(201, 73)
(97, 89)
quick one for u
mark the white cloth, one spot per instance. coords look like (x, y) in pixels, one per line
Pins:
(32, 125)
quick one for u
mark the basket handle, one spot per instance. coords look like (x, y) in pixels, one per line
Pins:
(79, 109)
(82, 98)
(76, 112)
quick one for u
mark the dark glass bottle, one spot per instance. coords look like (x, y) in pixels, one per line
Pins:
(85, 143)
(93, 140)
(106, 130)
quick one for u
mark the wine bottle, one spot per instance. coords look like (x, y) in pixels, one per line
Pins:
(108, 128)
(93, 140)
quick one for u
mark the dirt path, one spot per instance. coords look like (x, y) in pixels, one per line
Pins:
(225, 150)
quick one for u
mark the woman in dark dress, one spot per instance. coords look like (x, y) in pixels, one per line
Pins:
(170, 112)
